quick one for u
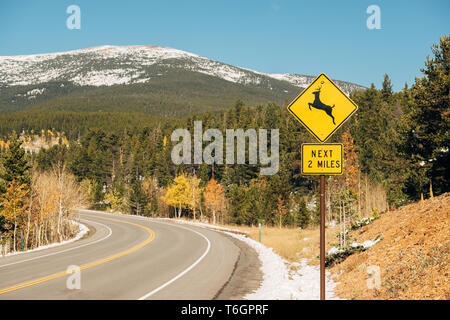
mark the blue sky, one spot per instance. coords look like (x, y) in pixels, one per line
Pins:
(275, 36)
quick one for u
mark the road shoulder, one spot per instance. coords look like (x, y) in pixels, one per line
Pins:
(246, 277)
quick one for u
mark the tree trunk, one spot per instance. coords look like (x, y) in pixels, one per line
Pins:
(46, 233)
(193, 198)
(340, 225)
(14, 238)
(431, 190)
(359, 193)
(38, 236)
(367, 199)
(214, 216)
(28, 228)
(345, 226)
(60, 213)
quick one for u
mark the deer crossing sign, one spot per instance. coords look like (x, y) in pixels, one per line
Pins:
(322, 108)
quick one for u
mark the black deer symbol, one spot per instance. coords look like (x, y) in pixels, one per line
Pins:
(321, 106)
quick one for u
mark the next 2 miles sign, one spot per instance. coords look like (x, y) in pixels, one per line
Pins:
(322, 159)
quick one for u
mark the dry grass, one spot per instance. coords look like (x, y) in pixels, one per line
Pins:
(292, 244)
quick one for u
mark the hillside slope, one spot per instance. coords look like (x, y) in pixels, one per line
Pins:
(413, 256)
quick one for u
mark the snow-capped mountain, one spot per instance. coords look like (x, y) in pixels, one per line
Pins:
(110, 65)
(30, 80)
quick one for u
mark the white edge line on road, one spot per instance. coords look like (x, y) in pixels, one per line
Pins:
(170, 224)
(186, 270)
(70, 249)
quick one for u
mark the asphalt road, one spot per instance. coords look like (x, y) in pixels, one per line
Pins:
(125, 257)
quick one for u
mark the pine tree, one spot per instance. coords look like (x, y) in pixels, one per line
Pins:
(386, 91)
(316, 212)
(429, 135)
(15, 165)
(303, 217)
(372, 130)
(137, 199)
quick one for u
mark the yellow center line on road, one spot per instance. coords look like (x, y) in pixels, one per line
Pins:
(89, 265)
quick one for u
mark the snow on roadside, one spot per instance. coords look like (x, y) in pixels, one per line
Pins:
(286, 281)
(83, 230)
(281, 280)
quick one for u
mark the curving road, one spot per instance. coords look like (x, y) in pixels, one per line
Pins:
(126, 257)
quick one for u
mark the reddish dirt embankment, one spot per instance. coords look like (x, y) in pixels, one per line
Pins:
(413, 256)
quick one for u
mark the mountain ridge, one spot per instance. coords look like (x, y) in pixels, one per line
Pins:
(29, 81)
(158, 53)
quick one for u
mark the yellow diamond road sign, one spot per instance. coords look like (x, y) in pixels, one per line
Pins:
(322, 107)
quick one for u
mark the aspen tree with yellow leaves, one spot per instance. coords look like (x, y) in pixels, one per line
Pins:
(115, 200)
(36, 205)
(195, 192)
(13, 202)
(178, 195)
(214, 198)
(55, 194)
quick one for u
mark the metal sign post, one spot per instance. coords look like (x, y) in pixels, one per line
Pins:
(322, 237)
(260, 232)
(21, 238)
